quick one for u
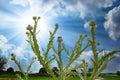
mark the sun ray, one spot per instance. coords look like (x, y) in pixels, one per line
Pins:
(17, 25)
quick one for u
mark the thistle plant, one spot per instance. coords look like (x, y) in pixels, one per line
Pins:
(32, 40)
(24, 73)
(64, 70)
(99, 63)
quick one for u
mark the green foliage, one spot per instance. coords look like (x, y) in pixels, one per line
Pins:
(99, 64)
(25, 74)
(55, 70)
(118, 73)
(32, 40)
(3, 61)
(10, 69)
(45, 61)
(42, 71)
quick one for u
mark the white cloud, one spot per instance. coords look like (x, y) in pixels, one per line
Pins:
(86, 7)
(4, 46)
(99, 4)
(24, 56)
(86, 55)
(66, 7)
(19, 2)
(87, 26)
(3, 39)
(112, 24)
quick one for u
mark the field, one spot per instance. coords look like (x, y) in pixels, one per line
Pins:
(106, 77)
(35, 78)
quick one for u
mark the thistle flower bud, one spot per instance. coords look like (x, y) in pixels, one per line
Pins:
(29, 27)
(12, 54)
(59, 39)
(92, 23)
(38, 17)
(56, 25)
(12, 58)
(90, 40)
(34, 18)
(28, 33)
(33, 58)
(83, 36)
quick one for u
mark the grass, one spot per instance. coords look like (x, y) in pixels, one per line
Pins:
(111, 77)
(12, 77)
(76, 78)
(35, 78)
(40, 78)
(7, 77)
(49, 78)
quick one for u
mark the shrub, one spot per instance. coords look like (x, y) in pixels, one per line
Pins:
(43, 71)
(10, 69)
(118, 73)
(3, 61)
(56, 71)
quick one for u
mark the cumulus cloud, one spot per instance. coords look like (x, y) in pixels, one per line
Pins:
(113, 66)
(87, 7)
(87, 55)
(21, 55)
(24, 59)
(112, 24)
(86, 25)
(66, 7)
(100, 3)
(19, 2)
(3, 39)
(4, 46)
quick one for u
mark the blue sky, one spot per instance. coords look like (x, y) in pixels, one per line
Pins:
(72, 16)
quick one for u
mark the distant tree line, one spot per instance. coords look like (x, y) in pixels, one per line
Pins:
(42, 71)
